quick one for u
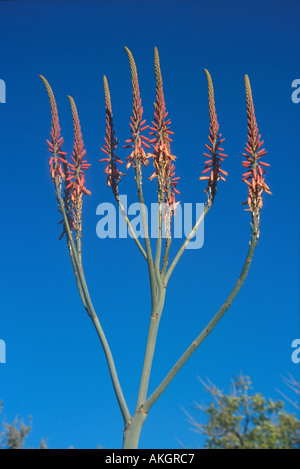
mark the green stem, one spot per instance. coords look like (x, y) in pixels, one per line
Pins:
(166, 257)
(77, 276)
(138, 177)
(133, 430)
(159, 235)
(206, 331)
(186, 242)
(122, 210)
(150, 348)
(84, 293)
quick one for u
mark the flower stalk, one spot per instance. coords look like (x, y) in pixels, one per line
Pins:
(254, 176)
(68, 205)
(137, 159)
(212, 169)
(163, 162)
(112, 171)
(75, 177)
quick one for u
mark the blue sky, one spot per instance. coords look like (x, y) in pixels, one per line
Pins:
(55, 368)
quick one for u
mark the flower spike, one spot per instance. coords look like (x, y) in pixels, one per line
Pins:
(163, 161)
(75, 182)
(254, 175)
(55, 144)
(216, 155)
(137, 124)
(59, 167)
(111, 143)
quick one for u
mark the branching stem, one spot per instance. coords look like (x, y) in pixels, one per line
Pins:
(206, 331)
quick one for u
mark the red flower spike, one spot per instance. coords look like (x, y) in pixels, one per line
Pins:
(138, 155)
(59, 167)
(254, 175)
(56, 141)
(162, 158)
(216, 153)
(76, 171)
(111, 143)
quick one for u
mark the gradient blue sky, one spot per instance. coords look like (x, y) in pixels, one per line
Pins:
(55, 368)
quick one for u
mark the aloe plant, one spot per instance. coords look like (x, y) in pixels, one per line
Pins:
(68, 176)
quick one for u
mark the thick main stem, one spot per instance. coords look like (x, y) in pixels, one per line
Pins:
(150, 348)
(133, 430)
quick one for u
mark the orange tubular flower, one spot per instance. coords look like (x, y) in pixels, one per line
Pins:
(137, 124)
(162, 158)
(254, 176)
(111, 143)
(212, 165)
